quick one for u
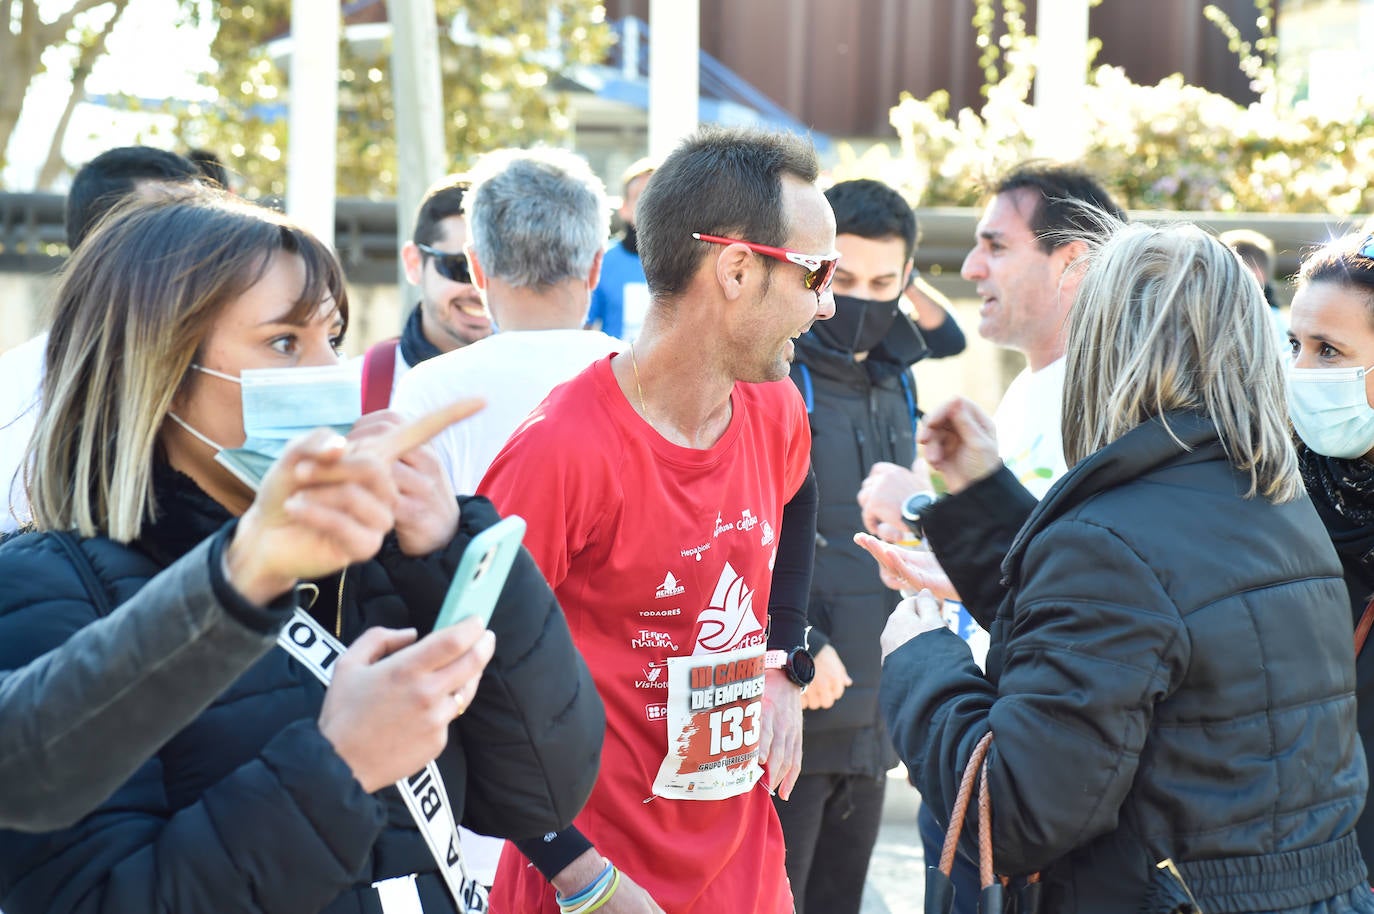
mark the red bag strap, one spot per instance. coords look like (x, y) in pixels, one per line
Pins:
(1366, 623)
(379, 374)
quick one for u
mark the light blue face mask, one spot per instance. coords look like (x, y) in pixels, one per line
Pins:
(1330, 410)
(280, 404)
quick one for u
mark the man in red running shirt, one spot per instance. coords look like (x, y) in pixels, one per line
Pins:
(671, 505)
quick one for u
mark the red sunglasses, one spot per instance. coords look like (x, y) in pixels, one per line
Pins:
(820, 269)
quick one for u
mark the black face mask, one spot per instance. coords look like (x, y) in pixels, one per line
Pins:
(631, 240)
(859, 324)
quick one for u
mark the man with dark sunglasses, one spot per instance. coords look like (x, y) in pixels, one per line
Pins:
(450, 314)
(670, 505)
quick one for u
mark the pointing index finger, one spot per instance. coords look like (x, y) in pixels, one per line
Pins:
(396, 442)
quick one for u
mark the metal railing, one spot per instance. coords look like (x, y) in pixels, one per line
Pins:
(32, 239)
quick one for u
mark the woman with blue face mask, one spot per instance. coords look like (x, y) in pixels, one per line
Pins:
(197, 421)
(1330, 392)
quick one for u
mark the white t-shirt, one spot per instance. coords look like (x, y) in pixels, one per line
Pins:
(514, 371)
(1029, 435)
(21, 383)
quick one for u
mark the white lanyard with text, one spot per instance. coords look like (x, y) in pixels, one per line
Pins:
(424, 793)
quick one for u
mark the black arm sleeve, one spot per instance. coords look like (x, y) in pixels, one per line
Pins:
(552, 853)
(945, 339)
(791, 589)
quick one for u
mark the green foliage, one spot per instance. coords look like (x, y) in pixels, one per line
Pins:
(499, 80)
(1169, 146)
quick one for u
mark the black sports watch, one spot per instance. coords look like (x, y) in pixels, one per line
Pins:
(797, 663)
(913, 508)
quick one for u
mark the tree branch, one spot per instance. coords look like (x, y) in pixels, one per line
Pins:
(81, 71)
(55, 32)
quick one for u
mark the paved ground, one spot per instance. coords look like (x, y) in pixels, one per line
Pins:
(896, 877)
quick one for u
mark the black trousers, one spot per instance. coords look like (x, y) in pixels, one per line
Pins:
(830, 826)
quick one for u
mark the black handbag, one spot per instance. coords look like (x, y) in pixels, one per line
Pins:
(994, 897)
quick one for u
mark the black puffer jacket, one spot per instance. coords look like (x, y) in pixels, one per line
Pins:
(249, 808)
(860, 413)
(1170, 675)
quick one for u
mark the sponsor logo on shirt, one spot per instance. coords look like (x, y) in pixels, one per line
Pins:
(722, 527)
(747, 521)
(653, 676)
(651, 639)
(659, 613)
(656, 712)
(669, 588)
(696, 551)
(729, 621)
(767, 534)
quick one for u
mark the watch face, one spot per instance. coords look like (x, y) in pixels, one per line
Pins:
(803, 667)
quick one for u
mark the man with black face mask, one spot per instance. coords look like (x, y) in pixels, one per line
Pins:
(854, 373)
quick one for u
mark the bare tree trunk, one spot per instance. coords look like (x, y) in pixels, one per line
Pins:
(18, 64)
(54, 163)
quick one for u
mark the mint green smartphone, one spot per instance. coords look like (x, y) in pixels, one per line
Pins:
(482, 573)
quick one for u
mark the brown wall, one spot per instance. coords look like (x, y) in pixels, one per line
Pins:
(839, 65)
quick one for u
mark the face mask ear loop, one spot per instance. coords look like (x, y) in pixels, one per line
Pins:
(214, 374)
(195, 434)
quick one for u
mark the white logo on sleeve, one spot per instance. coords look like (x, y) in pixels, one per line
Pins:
(767, 534)
(747, 521)
(669, 588)
(729, 622)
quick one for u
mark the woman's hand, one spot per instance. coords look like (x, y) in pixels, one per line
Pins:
(909, 569)
(296, 528)
(426, 510)
(913, 616)
(960, 442)
(388, 709)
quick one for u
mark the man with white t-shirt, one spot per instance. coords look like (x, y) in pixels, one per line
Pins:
(538, 219)
(1030, 233)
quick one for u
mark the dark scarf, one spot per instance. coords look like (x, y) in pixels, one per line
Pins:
(1343, 493)
(415, 346)
(185, 516)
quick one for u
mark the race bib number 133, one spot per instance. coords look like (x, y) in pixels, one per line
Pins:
(715, 718)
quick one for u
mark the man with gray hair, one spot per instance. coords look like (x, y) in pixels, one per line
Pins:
(538, 219)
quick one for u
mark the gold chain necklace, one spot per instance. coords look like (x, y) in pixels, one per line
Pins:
(634, 363)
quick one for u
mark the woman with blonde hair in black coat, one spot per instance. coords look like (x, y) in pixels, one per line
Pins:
(1171, 672)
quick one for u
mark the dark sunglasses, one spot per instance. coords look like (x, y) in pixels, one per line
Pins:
(453, 267)
(820, 268)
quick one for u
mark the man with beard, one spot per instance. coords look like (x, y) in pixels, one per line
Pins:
(621, 298)
(450, 314)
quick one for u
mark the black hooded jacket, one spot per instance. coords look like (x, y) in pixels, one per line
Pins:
(249, 808)
(861, 413)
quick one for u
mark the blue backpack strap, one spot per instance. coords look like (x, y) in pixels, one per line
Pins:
(807, 390)
(909, 392)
